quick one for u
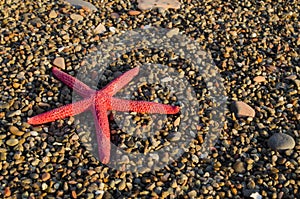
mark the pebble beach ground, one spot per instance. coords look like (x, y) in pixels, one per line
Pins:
(255, 46)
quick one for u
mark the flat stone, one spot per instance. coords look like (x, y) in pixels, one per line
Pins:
(164, 4)
(82, 4)
(99, 29)
(12, 142)
(59, 62)
(134, 12)
(259, 79)
(281, 141)
(241, 109)
(52, 14)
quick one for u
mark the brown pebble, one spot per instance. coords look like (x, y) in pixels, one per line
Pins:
(134, 12)
(259, 79)
(14, 130)
(59, 62)
(46, 176)
(239, 167)
(16, 85)
(52, 14)
(12, 142)
(7, 192)
(242, 109)
(74, 195)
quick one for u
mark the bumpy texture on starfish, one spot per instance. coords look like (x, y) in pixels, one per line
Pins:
(99, 102)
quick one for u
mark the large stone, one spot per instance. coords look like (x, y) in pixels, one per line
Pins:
(241, 109)
(281, 141)
(164, 4)
(82, 4)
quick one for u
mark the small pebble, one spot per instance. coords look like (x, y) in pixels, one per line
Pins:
(259, 79)
(99, 29)
(46, 176)
(239, 167)
(14, 130)
(52, 14)
(12, 142)
(134, 12)
(59, 62)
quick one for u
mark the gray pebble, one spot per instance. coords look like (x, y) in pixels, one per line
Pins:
(281, 141)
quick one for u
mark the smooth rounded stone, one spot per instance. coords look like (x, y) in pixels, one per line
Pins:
(46, 176)
(241, 109)
(81, 4)
(14, 130)
(52, 14)
(150, 4)
(12, 142)
(281, 141)
(239, 167)
(34, 133)
(259, 79)
(59, 62)
(134, 12)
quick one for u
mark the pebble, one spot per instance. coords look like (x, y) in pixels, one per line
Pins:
(14, 130)
(76, 17)
(165, 4)
(239, 167)
(12, 142)
(52, 14)
(99, 29)
(134, 12)
(172, 32)
(81, 3)
(46, 176)
(259, 79)
(59, 62)
(242, 109)
(281, 141)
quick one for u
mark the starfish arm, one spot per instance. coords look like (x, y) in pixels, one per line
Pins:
(121, 81)
(61, 112)
(102, 132)
(142, 106)
(78, 86)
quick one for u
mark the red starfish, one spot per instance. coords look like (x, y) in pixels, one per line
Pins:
(99, 102)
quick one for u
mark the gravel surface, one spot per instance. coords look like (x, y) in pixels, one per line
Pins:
(254, 45)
